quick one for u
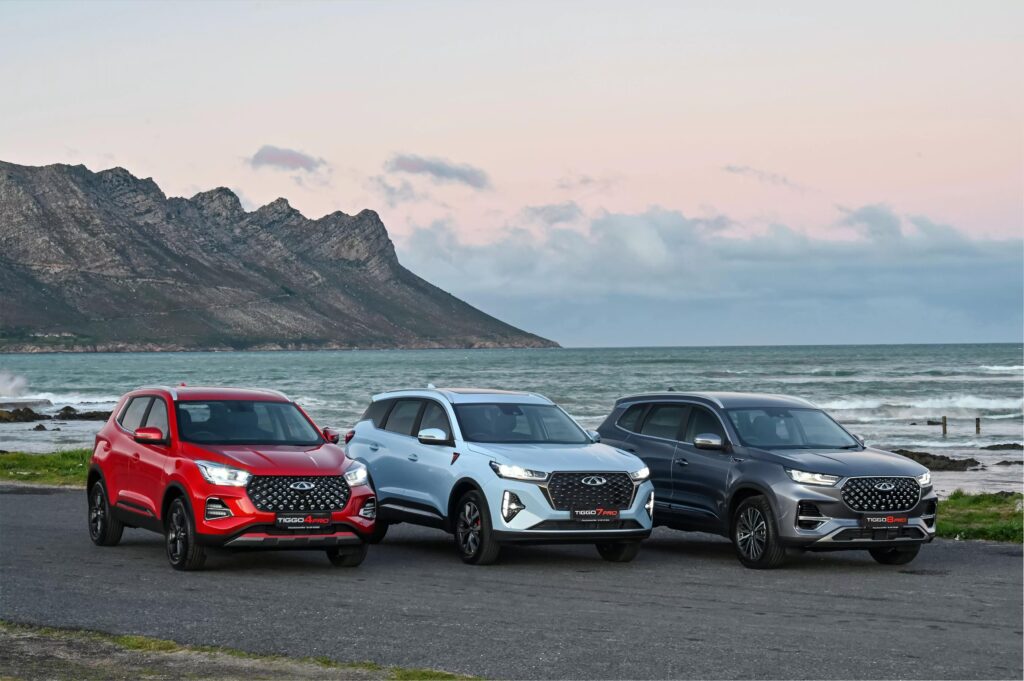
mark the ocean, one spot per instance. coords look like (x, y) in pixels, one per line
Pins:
(886, 394)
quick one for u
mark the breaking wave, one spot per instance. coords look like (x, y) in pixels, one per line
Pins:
(950, 402)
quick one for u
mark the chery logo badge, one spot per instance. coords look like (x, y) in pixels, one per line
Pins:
(885, 487)
(593, 480)
(302, 486)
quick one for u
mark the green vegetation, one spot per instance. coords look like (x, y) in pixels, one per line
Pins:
(995, 516)
(69, 467)
(145, 644)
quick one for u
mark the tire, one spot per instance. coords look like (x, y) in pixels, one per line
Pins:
(619, 551)
(348, 557)
(104, 528)
(380, 528)
(474, 539)
(755, 535)
(895, 556)
(183, 553)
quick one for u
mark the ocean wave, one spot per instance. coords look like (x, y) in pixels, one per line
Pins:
(11, 385)
(951, 402)
(73, 399)
(1002, 368)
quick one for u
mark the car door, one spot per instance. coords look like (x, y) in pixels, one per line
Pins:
(124, 453)
(430, 466)
(396, 452)
(150, 460)
(702, 474)
(655, 443)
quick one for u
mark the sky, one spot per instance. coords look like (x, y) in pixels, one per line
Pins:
(599, 173)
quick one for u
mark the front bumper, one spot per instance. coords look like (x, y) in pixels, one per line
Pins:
(247, 527)
(539, 523)
(838, 527)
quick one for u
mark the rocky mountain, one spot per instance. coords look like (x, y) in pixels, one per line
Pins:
(106, 262)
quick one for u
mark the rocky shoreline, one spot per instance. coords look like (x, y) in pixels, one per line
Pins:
(28, 415)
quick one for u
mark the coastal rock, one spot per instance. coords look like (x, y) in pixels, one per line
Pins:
(1007, 462)
(1006, 446)
(21, 415)
(72, 414)
(106, 262)
(939, 462)
(39, 426)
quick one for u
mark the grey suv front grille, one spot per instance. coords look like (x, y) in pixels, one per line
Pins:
(881, 494)
(568, 491)
(275, 493)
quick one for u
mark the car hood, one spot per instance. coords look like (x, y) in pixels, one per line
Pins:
(550, 457)
(326, 459)
(846, 463)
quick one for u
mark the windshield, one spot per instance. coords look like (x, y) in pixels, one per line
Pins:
(784, 428)
(523, 423)
(224, 422)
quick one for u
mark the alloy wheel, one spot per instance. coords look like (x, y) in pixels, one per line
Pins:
(177, 535)
(97, 514)
(751, 533)
(468, 528)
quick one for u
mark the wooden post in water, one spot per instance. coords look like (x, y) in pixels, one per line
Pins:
(977, 426)
(943, 426)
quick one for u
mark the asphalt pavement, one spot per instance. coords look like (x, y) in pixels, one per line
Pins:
(685, 608)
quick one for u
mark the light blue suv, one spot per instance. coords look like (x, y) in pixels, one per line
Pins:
(495, 468)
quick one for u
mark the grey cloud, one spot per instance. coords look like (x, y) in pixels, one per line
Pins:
(280, 158)
(660, 277)
(584, 182)
(439, 170)
(395, 193)
(554, 213)
(765, 177)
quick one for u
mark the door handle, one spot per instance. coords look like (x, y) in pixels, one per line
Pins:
(414, 457)
(374, 446)
(738, 459)
(136, 456)
(682, 462)
(631, 450)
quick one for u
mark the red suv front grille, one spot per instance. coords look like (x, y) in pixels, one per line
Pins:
(279, 493)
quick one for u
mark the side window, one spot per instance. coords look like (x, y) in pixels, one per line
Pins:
(434, 416)
(402, 417)
(703, 421)
(131, 419)
(158, 416)
(630, 420)
(665, 420)
(377, 411)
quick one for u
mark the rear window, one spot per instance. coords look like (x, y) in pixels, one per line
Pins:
(403, 417)
(131, 418)
(377, 411)
(665, 421)
(630, 420)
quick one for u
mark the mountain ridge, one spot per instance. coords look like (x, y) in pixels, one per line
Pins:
(105, 261)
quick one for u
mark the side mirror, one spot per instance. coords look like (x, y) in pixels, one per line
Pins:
(594, 435)
(708, 441)
(332, 435)
(434, 436)
(150, 436)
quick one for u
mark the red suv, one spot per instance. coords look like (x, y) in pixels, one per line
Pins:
(226, 467)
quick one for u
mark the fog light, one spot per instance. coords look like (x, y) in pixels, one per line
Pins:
(510, 506)
(216, 509)
(369, 509)
(649, 506)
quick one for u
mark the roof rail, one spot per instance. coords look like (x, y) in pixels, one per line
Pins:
(172, 391)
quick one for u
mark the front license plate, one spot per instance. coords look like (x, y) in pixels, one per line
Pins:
(883, 520)
(295, 521)
(596, 515)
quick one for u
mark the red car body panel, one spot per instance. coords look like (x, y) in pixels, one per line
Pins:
(142, 478)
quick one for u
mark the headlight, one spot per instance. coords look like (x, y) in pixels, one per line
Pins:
(641, 474)
(517, 472)
(356, 475)
(219, 474)
(925, 479)
(806, 478)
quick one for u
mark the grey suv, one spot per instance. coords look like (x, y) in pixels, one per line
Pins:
(772, 473)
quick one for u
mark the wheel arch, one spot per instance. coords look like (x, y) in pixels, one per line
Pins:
(462, 486)
(174, 490)
(95, 475)
(744, 491)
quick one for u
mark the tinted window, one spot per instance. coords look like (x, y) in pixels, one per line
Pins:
(702, 422)
(245, 422)
(131, 420)
(434, 416)
(665, 420)
(631, 419)
(533, 423)
(377, 411)
(403, 417)
(158, 416)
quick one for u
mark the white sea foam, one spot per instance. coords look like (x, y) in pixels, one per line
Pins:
(11, 385)
(948, 402)
(73, 399)
(1002, 368)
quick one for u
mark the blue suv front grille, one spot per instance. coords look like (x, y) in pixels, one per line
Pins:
(568, 491)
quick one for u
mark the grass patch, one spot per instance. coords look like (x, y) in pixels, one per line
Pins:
(158, 645)
(997, 517)
(70, 467)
